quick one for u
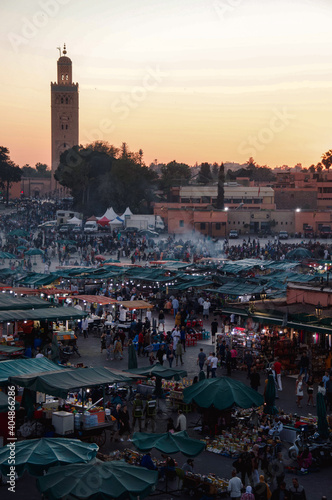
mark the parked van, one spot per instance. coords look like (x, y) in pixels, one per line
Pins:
(90, 226)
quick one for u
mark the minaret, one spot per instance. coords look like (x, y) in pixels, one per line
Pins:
(64, 111)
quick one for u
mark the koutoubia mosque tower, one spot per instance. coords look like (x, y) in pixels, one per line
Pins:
(64, 111)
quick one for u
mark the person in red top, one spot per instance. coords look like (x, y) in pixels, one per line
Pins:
(277, 371)
(140, 343)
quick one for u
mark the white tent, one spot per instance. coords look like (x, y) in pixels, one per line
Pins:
(126, 212)
(75, 221)
(116, 222)
(110, 214)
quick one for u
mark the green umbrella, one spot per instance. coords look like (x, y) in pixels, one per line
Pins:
(323, 428)
(34, 251)
(222, 393)
(299, 253)
(270, 396)
(7, 255)
(132, 357)
(201, 375)
(18, 232)
(169, 443)
(158, 370)
(37, 455)
(21, 247)
(98, 481)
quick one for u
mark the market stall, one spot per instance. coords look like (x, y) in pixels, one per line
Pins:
(80, 417)
(159, 372)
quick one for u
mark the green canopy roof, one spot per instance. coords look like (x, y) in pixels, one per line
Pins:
(8, 301)
(169, 443)
(37, 279)
(158, 370)
(4, 403)
(222, 393)
(37, 455)
(60, 383)
(12, 368)
(46, 314)
(8, 349)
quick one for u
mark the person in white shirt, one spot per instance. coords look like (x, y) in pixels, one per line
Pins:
(206, 309)
(235, 486)
(213, 365)
(39, 354)
(208, 365)
(123, 314)
(181, 424)
(85, 327)
(176, 338)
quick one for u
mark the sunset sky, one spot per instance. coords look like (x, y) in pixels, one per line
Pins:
(191, 80)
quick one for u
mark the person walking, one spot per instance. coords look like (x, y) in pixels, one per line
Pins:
(310, 391)
(206, 308)
(296, 491)
(262, 490)
(85, 328)
(214, 329)
(208, 365)
(248, 495)
(248, 360)
(304, 365)
(228, 361)
(183, 338)
(299, 391)
(170, 354)
(214, 365)
(160, 354)
(108, 343)
(137, 410)
(175, 306)
(255, 379)
(178, 353)
(245, 465)
(181, 423)
(161, 319)
(277, 371)
(235, 486)
(281, 492)
(329, 392)
(201, 359)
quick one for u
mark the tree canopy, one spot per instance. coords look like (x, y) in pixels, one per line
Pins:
(174, 174)
(100, 175)
(9, 172)
(327, 159)
(204, 174)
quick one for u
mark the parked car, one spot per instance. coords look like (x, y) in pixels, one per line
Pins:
(149, 234)
(309, 232)
(48, 224)
(283, 235)
(233, 234)
(325, 231)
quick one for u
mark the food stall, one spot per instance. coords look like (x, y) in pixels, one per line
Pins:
(77, 415)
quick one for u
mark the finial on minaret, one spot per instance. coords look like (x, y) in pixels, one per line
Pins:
(64, 49)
